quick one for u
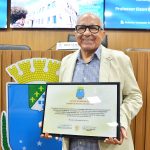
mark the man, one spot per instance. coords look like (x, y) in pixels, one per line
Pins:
(95, 63)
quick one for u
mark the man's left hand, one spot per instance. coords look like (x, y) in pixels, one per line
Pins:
(115, 141)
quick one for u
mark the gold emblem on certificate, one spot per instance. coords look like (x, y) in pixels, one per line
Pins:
(82, 109)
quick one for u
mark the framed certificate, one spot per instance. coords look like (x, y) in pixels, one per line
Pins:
(82, 109)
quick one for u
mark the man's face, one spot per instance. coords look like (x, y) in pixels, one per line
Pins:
(89, 41)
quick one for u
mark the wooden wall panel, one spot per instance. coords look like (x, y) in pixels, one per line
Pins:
(36, 54)
(6, 60)
(134, 61)
(140, 119)
(37, 39)
(47, 54)
(43, 39)
(26, 54)
(16, 56)
(0, 81)
(147, 143)
(121, 40)
(59, 54)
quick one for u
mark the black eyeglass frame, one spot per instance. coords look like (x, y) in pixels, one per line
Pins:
(84, 27)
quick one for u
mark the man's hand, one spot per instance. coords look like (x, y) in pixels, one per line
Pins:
(45, 135)
(115, 141)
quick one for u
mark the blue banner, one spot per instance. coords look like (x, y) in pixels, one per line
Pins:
(3, 14)
(129, 14)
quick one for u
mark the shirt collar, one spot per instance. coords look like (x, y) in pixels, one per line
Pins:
(97, 53)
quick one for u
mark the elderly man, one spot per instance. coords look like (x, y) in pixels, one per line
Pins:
(95, 63)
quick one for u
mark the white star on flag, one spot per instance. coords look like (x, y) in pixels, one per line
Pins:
(39, 143)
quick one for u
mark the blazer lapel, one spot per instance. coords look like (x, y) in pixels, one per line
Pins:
(105, 65)
(70, 67)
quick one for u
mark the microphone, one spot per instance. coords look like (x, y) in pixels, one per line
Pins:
(54, 45)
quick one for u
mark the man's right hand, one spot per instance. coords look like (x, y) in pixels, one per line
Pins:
(44, 135)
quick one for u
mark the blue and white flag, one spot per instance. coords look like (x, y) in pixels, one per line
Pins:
(25, 111)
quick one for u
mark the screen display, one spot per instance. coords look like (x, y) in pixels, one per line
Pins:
(127, 14)
(51, 13)
(3, 13)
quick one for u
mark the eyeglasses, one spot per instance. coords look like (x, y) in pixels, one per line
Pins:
(92, 28)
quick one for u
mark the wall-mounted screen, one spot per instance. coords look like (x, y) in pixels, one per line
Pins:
(51, 13)
(127, 14)
(3, 13)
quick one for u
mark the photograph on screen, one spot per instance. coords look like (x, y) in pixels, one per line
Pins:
(51, 13)
(129, 14)
(3, 13)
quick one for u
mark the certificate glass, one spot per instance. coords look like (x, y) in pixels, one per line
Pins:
(82, 109)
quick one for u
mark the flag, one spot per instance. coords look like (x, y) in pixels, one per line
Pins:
(25, 111)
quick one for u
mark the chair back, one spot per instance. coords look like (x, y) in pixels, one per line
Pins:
(14, 47)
